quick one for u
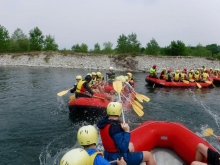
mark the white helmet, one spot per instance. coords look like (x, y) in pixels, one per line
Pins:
(87, 135)
(75, 156)
(111, 68)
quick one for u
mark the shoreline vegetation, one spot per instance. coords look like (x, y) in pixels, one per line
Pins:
(37, 49)
(137, 63)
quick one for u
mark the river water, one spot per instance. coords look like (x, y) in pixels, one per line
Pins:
(35, 127)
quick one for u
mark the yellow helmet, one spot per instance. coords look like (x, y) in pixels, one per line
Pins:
(129, 74)
(177, 71)
(75, 156)
(164, 69)
(114, 108)
(99, 74)
(197, 72)
(89, 74)
(93, 74)
(79, 77)
(87, 135)
(126, 78)
(122, 78)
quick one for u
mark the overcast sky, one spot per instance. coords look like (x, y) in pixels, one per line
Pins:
(73, 22)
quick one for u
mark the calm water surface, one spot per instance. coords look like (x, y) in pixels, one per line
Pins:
(35, 127)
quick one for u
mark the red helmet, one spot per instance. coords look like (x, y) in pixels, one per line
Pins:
(154, 66)
(169, 70)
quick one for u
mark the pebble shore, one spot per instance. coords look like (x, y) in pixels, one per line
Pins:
(102, 62)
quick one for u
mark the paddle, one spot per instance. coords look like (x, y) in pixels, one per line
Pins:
(185, 81)
(136, 108)
(198, 85)
(117, 85)
(63, 92)
(209, 132)
(209, 82)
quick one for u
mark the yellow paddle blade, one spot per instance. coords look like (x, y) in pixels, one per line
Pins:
(208, 132)
(198, 85)
(137, 103)
(117, 85)
(72, 97)
(139, 111)
(191, 80)
(145, 98)
(139, 98)
(63, 92)
(208, 82)
(185, 81)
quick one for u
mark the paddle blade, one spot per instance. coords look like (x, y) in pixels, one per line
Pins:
(208, 82)
(137, 103)
(139, 111)
(139, 98)
(198, 85)
(145, 98)
(185, 81)
(208, 132)
(63, 92)
(117, 85)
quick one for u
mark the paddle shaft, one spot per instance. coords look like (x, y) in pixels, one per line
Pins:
(123, 117)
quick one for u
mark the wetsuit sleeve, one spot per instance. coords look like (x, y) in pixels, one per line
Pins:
(122, 140)
(100, 160)
(73, 89)
(86, 86)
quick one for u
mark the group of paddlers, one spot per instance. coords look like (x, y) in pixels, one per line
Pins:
(94, 83)
(198, 75)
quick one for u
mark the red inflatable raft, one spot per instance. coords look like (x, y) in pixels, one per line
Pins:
(161, 82)
(176, 142)
(216, 80)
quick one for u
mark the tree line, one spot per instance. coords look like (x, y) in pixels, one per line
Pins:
(126, 45)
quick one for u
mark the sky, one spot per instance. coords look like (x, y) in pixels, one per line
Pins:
(73, 22)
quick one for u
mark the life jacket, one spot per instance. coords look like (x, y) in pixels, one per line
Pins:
(162, 74)
(176, 76)
(190, 76)
(93, 81)
(183, 76)
(111, 76)
(166, 76)
(93, 156)
(205, 76)
(131, 82)
(80, 88)
(196, 77)
(107, 141)
(152, 72)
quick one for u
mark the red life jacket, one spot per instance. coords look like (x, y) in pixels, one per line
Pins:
(107, 141)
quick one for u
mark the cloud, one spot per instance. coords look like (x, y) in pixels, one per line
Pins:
(99, 21)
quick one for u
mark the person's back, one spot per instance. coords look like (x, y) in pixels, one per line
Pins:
(116, 138)
(83, 87)
(87, 137)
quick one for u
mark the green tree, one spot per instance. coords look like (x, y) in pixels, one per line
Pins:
(201, 51)
(133, 44)
(83, 48)
(152, 47)
(76, 48)
(213, 48)
(107, 47)
(50, 44)
(36, 39)
(122, 44)
(19, 41)
(4, 39)
(177, 48)
(97, 48)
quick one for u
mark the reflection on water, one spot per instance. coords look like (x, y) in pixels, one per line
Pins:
(35, 124)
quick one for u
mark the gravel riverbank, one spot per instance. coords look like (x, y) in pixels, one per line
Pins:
(103, 62)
